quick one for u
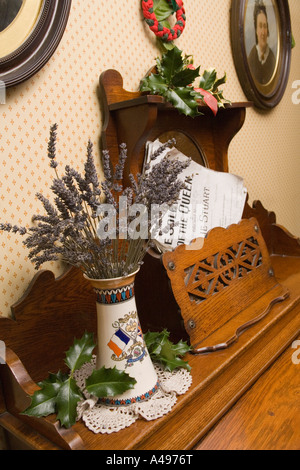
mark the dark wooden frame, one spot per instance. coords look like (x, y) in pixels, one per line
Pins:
(269, 95)
(35, 52)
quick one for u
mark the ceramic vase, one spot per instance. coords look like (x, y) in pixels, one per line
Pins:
(120, 340)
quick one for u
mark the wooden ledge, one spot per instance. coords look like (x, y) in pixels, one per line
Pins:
(111, 82)
(219, 380)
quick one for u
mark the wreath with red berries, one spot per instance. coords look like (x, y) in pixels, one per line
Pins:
(164, 33)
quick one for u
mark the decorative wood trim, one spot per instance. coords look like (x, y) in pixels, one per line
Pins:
(17, 388)
(225, 286)
(66, 303)
(278, 239)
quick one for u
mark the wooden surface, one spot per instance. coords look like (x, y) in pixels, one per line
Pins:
(267, 417)
(219, 378)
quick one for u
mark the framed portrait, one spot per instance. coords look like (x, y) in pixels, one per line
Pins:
(30, 31)
(261, 43)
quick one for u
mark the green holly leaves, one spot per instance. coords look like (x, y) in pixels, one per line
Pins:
(109, 382)
(174, 78)
(60, 394)
(80, 352)
(211, 83)
(43, 402)
(162, 10)
(184, 100)
(172, 82)
(162, 350)
(66, 402)
(170, 65)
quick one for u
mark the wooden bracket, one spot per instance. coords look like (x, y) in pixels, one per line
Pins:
(223, 284)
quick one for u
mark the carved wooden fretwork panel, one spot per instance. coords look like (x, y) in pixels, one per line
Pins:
(213, 274)
(223, 284)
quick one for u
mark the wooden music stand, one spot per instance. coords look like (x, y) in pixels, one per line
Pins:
(223, 284)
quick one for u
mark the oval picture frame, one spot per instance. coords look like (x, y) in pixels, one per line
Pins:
(263, 76)
(41, 23)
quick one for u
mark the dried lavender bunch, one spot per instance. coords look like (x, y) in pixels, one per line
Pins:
(69, 228)
(158, 186)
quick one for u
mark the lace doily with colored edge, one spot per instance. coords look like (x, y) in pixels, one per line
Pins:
(105, 419)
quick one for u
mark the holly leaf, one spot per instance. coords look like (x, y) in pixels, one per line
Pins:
(165, 45)
(155, 341)
(221, 100)
(173, 362)
(181, 348)
(219, 82)
(185, 77)
(80, 352)
(171, 63)
(54, 378)
(109, 382)
(162, 350)
(208, 79)
(43, 401)
(162, 9)
(184, 100)
(171, 82)
(156, 84)
(153, 338)
(169, 357)
(66, 402)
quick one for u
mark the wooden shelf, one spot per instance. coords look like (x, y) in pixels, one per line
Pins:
(134, 118)
(219, 379)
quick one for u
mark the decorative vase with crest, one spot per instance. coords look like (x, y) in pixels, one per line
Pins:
(120, 339)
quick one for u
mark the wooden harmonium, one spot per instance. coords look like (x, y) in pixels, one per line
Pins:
(222, 284)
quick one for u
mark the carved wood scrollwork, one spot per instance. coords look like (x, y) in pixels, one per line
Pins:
(224, 284)
(214, 273)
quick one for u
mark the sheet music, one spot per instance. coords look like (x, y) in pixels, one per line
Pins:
(210, 199)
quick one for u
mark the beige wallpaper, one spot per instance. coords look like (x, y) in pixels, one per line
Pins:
(101, 35)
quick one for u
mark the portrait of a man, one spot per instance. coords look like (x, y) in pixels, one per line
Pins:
(8, 12)
(261, 60)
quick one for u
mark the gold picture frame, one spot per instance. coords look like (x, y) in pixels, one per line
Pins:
(30, 36)
(16, 33)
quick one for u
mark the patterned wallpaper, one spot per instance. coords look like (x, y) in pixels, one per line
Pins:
(100, 34)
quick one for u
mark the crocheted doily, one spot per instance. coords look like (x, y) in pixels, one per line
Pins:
(105, 419)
